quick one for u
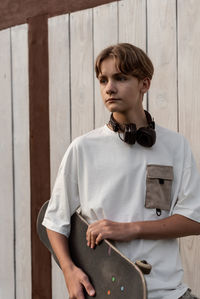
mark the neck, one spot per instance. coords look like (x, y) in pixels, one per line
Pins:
(137, 117)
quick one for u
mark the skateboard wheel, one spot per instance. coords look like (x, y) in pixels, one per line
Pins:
(144, 266)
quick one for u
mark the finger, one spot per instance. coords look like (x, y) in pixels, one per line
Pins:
(92, 240)
(99, 238)
(88, 286)
(88, 237)
(88, 233)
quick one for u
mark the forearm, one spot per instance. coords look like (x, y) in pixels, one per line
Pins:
(171, 227)
(75, 278)
(60, 247)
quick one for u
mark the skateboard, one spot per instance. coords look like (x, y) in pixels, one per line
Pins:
(111, 273)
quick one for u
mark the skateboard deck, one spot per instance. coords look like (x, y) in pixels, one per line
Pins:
(111, 273)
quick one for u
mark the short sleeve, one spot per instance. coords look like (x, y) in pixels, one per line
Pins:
(188, 202)
(65, 197)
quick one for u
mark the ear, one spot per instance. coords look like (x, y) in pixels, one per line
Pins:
(145, 85)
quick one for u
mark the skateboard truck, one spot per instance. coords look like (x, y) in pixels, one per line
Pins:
(144, 266)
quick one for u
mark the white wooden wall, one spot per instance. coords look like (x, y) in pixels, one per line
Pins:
(169, 31)
(15, 235)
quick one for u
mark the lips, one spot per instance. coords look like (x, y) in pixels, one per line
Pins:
(112, 100)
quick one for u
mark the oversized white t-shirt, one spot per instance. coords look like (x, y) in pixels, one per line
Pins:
(109, 178)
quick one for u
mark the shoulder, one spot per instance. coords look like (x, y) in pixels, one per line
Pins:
(160, 130)
(83, 143)
(88, 137)
(175, 142)
(169, 136)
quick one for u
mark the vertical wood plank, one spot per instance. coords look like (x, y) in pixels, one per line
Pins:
(189, 111)
(21, 160)
(7, 280)
(132, 26)
(190, 255)
(82, 91)
(105, 34)
(39, 149)
(188, 71)
(162, 50)
(59, 115)
(132, 22)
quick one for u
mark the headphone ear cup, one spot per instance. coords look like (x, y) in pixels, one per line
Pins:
(130, 133)
(130, 137)
(146, 136)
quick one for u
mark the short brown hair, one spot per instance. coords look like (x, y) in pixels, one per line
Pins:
(129, 59)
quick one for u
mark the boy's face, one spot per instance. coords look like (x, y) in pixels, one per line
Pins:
(120, 93)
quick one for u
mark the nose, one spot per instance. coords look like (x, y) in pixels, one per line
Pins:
(110, 88)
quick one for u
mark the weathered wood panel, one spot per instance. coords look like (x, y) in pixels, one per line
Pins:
(59, 114)
(7, 248)
(81, 54)
(162, 50)
(161, 46)
(19, 42)
(17, 12)
(132, 26)
(105, 34)
(132, 22)
(189, 111)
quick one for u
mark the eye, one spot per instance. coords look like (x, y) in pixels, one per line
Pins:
(121, 78)
(102, 80)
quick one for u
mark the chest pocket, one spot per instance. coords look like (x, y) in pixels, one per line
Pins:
(158, 187)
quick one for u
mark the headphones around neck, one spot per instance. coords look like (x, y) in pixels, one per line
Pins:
(145, 136)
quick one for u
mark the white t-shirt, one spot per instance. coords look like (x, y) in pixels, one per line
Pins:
(108, 179)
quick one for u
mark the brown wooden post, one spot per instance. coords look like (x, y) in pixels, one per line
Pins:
(39, 149)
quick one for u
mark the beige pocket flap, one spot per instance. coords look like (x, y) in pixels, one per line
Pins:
(160, 172)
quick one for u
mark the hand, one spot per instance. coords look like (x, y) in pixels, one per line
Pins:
(76, 280)
(106, 229)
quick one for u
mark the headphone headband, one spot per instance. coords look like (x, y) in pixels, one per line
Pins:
(145, 136)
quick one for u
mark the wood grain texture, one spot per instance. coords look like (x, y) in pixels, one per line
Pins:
(19, 40)
(188, 72)
(190, 255)
(132, 22)
(39, 150)
(105, 34)
(59, 90)
(7, 268)
(132, 26)
(81, 72)
(189, 111)
(18, 12)
(162, 50)
(59, 115)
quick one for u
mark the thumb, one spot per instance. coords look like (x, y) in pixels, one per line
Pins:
(88, 286)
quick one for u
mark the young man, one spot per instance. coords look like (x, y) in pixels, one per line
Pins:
(136, 182)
